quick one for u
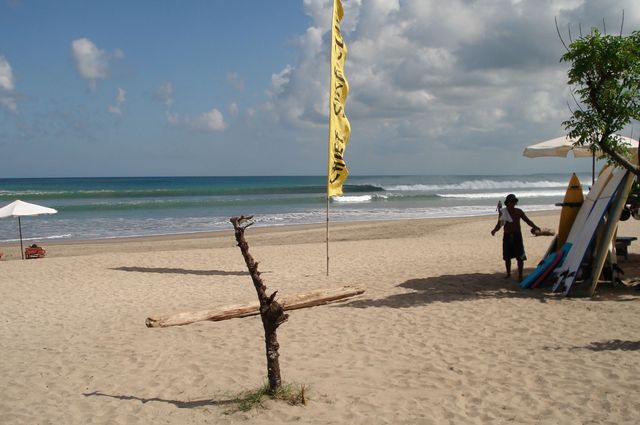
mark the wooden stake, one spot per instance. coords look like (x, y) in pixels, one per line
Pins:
(271, 312)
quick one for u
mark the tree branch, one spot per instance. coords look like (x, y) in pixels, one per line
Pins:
(560, 35)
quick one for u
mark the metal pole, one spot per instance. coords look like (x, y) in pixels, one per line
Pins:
(593, 168)
(327, 234)
(20, 230)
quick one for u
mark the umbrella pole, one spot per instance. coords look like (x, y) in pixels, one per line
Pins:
(20, 230)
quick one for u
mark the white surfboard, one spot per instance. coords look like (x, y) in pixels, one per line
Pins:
(603, 248)
(588, 203)
(567, 277)
(583, 214)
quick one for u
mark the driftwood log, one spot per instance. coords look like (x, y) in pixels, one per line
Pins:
(304, 300)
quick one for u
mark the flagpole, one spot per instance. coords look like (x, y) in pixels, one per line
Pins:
(327, 234)
(339, 128)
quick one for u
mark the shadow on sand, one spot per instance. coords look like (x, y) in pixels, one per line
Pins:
(179, 404)
(612, 345)
(473, 286)
(179, 271)
(450, 288)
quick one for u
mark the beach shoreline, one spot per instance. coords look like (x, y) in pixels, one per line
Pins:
(103, 208)
(439, 336)
(219, 238)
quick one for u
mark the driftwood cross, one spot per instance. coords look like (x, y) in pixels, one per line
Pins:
(271, 310)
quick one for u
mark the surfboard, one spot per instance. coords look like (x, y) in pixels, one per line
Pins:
(545, 267)
(567, 277)
(557, 261)
(572, 264)
(604, 244)
(573, 199)
(583, 214)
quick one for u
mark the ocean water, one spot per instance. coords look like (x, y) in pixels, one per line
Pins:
(97, 208)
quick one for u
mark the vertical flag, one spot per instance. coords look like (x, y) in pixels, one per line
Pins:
(339, 128)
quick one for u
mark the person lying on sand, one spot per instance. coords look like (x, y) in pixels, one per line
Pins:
(512, 244)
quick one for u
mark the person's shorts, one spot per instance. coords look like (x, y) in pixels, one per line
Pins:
(513, 247)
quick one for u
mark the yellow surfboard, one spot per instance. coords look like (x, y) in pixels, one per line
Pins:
(573, 198)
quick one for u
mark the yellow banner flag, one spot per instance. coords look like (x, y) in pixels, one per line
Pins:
(339, 128)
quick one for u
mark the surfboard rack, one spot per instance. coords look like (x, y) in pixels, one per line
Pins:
(569, 204)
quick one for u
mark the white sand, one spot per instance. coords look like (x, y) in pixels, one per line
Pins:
(439, 337)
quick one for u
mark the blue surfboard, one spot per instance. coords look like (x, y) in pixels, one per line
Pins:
(546, 266)
(561, 254)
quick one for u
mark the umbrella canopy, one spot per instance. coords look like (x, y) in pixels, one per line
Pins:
(19, 209)
(561, 146)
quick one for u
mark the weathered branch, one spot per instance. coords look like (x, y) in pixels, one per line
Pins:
(271, 312)
(304, 300)
(560, 35)
(621, 160)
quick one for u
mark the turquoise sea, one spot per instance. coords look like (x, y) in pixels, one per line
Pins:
(97, 208)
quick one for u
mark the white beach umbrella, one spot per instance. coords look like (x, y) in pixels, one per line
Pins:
(561, 146)
(19, 209)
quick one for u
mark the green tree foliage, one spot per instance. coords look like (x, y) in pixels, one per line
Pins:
(605, 74)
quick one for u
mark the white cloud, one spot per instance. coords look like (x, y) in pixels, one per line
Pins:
(119, 101)
(7, 86)
(280, 81)
(423, 70)
(209, 121)
(6, 75)
(91, 62)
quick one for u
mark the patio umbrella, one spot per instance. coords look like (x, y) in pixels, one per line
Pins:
(561, 146)
(18, 209)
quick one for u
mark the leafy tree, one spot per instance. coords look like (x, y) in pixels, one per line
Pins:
(605, 71)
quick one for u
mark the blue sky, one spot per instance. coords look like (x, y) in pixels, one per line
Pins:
(159, 87)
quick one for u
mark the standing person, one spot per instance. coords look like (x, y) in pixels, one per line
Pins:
(512, 244)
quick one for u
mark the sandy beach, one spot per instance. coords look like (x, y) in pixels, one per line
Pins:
(439, 336)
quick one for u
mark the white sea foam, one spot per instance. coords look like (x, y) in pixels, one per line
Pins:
(500, 195)
(353, 199)
(39, 238)
(482, 184)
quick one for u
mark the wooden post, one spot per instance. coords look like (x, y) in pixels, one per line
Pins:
(271, 313)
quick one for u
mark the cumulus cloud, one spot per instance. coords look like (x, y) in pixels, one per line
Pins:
(206, 122)
(6, 75)
(7, 100)
(209, 121)
(91, 62)
(441, 73)
(119, 102)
